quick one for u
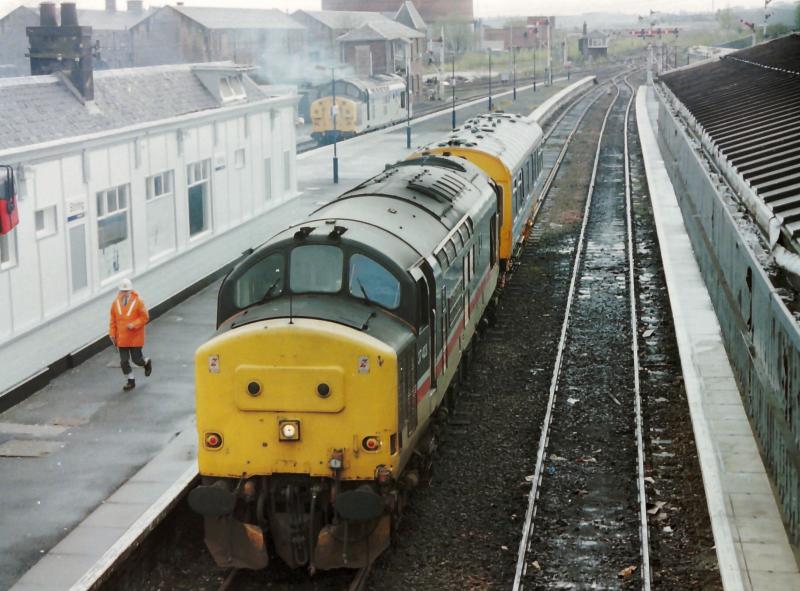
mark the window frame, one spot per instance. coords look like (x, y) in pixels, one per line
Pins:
(383, 267)
(104, 213)
(193, 180)
(50, 223)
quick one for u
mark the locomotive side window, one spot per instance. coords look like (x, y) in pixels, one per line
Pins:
(371, 278)
(316, 269)
(262, 280)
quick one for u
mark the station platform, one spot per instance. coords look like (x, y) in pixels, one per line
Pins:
(752, 546)
(85, 464)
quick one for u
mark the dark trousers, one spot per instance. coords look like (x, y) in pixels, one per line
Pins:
(126, 353)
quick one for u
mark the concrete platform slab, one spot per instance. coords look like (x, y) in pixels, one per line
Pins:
(752, 547)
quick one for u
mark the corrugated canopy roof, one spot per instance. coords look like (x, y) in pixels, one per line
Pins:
(37, 109)
(748, 103)
(239, 18)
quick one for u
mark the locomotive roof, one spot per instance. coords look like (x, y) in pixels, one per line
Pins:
(508, 137)
(404, 212)
(379, 81)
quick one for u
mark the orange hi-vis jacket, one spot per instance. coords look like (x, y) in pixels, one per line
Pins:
(134, 314)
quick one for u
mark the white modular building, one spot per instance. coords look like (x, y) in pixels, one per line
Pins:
(162, 176)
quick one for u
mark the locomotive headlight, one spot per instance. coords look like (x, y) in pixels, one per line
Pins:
(289, 430)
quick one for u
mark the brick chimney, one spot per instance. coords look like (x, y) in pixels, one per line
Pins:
(63, 50)
(111, 5)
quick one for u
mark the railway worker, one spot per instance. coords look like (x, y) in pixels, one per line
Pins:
(126, 329)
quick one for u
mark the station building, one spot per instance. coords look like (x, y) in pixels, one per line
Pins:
(159, 174)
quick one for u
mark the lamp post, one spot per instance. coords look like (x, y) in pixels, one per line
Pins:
(408, 99)
(453, 89)
(490, 79)
(334, 109)
(534, 68)
(514, 69)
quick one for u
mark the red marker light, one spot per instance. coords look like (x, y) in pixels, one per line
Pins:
(371, 443)
(213, 440)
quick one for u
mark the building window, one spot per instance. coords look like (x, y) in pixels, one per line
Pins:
(8, 250)
(267, 179)
(160, 214)
(46, 224)
(113, 237)
(231, 89)
(199, 193)
(238, 158)
(287, 171)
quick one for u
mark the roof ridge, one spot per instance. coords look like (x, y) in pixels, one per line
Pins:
(758, 65)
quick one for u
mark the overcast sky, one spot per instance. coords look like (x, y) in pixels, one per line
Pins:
(482, 7)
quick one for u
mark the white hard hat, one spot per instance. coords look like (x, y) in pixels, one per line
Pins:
(126, 285)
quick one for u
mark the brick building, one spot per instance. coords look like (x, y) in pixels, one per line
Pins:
(431, 10)
(387, 48)
(522, 33)
(324, 27)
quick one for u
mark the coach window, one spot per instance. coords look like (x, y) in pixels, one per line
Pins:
(370, 280)
(316, 268)
(261, 281)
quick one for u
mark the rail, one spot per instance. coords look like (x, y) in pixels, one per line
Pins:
(525, 545)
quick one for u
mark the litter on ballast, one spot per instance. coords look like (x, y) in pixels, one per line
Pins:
(627, 571)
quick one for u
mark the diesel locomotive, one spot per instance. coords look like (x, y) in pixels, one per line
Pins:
(362, 104)
(337, 342)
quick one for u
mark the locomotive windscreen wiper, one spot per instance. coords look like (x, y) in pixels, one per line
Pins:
(269, 292)
(372, 315)
(364, 291)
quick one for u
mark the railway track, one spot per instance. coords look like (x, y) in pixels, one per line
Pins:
(581, 502)
(560, 134)
(471, 92)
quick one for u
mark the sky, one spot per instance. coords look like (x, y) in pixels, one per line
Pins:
(482, 7)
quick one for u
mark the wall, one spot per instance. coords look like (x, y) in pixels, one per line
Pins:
(44, 316)
(321, 40)
(14, 41)
(761, 335)
(116, 50)
(167, 37)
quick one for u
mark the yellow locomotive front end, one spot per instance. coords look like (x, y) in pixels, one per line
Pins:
(322, 125)
(293, 416)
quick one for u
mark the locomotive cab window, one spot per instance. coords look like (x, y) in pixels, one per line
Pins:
(261, 281)
(372, 281)
(316, 268)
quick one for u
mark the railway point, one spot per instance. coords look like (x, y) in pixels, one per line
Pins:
(184, 178)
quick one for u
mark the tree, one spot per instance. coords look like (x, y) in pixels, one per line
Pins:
(777, 30)
(726, 19)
